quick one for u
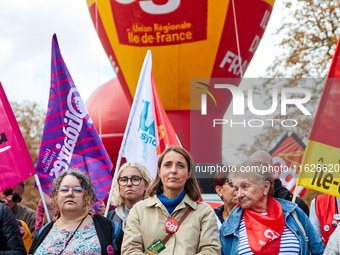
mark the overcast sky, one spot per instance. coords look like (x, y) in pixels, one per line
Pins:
(26, 29)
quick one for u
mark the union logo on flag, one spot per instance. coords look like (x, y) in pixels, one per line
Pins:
(70, 138)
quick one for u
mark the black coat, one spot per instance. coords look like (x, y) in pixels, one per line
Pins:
(284, 193)
(10, 240)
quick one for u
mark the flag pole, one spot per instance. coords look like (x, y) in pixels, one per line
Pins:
(113, 184)
(127, 129)
(37, 181)
(295, 193)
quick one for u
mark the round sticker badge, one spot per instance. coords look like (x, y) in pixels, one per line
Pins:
(171, 225)
(326, 228)
(337, 216)
(334, 223)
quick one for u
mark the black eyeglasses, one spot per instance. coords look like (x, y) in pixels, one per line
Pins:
(229, 183)
(135, 180)
(16, 197)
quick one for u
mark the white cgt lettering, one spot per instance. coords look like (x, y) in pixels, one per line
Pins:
(125, 1)
(149, 7)
(171, 226)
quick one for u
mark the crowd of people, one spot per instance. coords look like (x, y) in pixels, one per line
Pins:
(164, 215)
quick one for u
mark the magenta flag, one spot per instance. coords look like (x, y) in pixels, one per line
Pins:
(70, 139)
(15, 161)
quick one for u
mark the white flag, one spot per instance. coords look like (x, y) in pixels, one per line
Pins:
(141, 134)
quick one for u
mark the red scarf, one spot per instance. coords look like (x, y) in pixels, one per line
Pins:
(264, 231)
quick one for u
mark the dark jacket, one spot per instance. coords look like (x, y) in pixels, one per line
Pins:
(114, 216)
(284, 193)
(108, 231)
(218, 212)
(10, 240)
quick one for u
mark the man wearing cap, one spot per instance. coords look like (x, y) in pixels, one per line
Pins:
(12, 197)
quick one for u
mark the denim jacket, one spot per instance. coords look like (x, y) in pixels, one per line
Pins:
(229, 231)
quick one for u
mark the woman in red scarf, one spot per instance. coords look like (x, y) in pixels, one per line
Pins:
(261, 224)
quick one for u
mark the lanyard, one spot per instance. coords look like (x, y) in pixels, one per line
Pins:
(72, 235)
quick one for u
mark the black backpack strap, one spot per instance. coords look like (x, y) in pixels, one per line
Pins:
(117, 234)
(40, 237)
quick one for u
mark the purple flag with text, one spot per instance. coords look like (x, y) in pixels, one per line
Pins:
(70, 139)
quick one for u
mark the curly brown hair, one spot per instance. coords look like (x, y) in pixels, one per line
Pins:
(85, 182)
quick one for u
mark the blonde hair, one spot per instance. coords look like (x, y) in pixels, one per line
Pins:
(117, 199)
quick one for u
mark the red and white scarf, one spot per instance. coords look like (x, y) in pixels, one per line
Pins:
(264, 231)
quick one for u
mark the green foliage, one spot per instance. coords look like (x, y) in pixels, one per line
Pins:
(309, 35)
(31, 120)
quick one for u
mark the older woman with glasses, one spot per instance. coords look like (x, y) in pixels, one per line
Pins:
(226, 191)
(133, 180)
(76, 230)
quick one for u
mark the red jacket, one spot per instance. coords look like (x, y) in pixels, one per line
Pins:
(325, 206)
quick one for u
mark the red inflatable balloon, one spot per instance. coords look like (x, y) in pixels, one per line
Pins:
(109, 109)
(188, 39)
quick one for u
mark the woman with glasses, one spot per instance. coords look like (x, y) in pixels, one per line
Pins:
(226, 191)
(171, 220)
(133, 180)
(76, 230)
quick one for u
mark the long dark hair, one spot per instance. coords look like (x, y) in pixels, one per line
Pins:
(191, 187)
